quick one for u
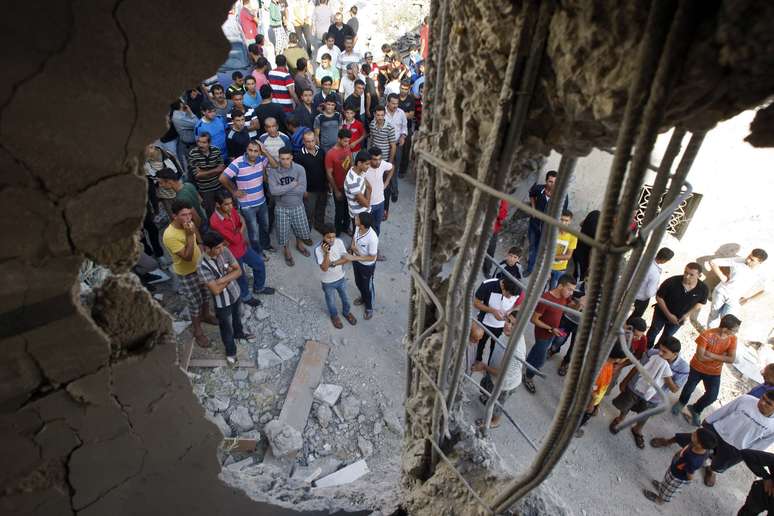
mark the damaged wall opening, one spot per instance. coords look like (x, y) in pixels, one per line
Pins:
(97, 415)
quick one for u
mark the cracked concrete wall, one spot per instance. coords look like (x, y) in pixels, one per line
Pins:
(96, 417)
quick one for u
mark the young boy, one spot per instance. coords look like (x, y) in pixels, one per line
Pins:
(635, 396)
(331, 256)
(768, 382)
(355, 127)
(510, 264)
(219, 271)
(684, 464)
(565, 245)
(601, 385)
(636, 326)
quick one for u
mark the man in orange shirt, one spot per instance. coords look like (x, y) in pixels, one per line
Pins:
(714, 348)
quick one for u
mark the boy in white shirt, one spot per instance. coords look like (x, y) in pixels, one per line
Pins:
(378, 175)
(364, 249)
(331, 256)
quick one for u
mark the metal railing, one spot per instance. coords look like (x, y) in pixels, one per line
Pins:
(619, 260)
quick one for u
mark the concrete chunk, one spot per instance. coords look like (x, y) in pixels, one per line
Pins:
(267, 358)
(242, 464)
(283, 438)
(241, 419)
(328, 393)
(345, 475)
(284, 352)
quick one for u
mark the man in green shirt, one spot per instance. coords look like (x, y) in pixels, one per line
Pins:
(184, 192)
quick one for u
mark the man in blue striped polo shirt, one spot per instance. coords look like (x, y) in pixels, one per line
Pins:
(244, 178)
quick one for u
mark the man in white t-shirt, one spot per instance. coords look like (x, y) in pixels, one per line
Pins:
(331, 256)
(739, 285)
(494, 299)
(356, 189)
(378, 175)
(364, 250)
(493, 369)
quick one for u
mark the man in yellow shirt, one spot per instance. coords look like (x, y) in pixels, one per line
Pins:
(180, 240)
(565, 245)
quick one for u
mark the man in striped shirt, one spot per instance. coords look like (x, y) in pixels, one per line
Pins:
(356, 188)
(383, 136)
(219, 271)
(205, 163)
(283, 85)
(248, 173)
(273, 139)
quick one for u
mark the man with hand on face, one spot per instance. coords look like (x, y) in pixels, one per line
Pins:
(332, 256)
(180, 240)
(676, 299)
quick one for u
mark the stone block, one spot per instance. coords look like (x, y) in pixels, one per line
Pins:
(241, 419)
(328, 393)
(284, 439)
(284, 352)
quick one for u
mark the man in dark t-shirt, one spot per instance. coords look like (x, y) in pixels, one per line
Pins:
(269, 109)
(539, 197)
(340, 31)
(676, 299)
(547, 319)
(494, 300)
(312, 158)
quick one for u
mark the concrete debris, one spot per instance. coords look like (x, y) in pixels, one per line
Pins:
(345, 475)
(180, 326)
(242, 464)
(240, 418)
(283, 438)
(240, 375)
(392, 423)
(324, 415)
(365, 447)
(328, 393)
(321, 468)
(221, 424)
(217, 404)
(260, 314)
(284, 352)
(350, 408)
(267, 358)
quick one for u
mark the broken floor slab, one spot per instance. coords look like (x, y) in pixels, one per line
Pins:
(345, 475)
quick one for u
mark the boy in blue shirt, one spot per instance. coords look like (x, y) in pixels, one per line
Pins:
(684, 464)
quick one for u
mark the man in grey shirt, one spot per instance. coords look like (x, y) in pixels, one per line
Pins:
(184, 121)
(288, 187)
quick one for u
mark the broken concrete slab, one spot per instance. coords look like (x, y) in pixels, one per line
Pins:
(328, 393)
(284, 352)
(308, 374)
(242, 464)
(350, 407)
(217, 403)
(240, 418)
(324, 415)
(285, 441)
(267, 358)
(320, 468)
(345, 475)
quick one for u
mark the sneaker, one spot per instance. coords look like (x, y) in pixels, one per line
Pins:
(253, 302)
(232, 361)
(351, 319)
(677, 408)
(695, 416)
(336, 321)
(265, 291)
(368, 314)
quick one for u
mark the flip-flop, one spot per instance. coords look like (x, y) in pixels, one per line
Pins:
(653, 497)
(289, 261)
(639, 440)
(529, 385)
(303, 251)
(612, 428)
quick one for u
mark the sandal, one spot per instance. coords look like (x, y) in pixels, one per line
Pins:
(639, 440)
(289, 261)
(492, 425)
(612, 428)
(201, 340)
(337, 322)
(658, 442)
(529, 385)
(303, 251)
(653, 497)
(563, 369)
(351, 319)
(709, 477)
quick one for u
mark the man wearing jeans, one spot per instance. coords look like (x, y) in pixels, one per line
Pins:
(226, 222)
(365, 246)
(249, 174)
(218, 271)
(676, 299)
(539, 197)
(331, 256)
(546, 319)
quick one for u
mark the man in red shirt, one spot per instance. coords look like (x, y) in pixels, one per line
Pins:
(502, 214)
(227, 222)
(338, 161)
(424, 39)
(355, 127)
(546, 320)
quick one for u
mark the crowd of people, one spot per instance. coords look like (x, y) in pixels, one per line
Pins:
(739, 431)
(256, 163)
